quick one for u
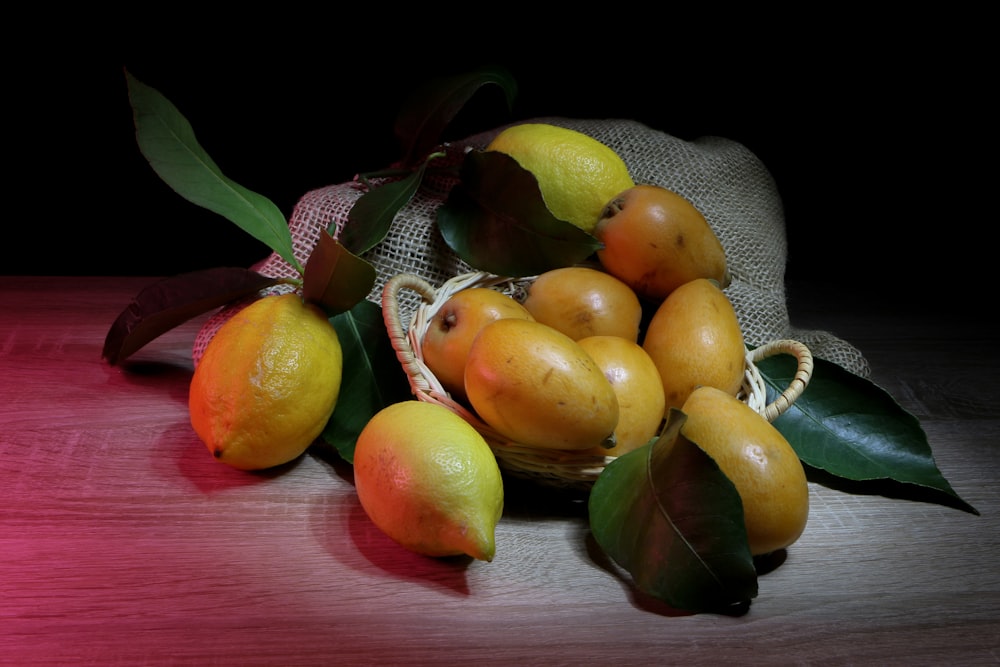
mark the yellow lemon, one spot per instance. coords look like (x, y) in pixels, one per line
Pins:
(536, 386)
(577, 174)
(429, 480)
(758, 460)
(267, 383)
(637, 385)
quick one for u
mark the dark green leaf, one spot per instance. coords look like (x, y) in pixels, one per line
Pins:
(370, 218)
(431, 107)
(496, 220)
(168, 142)
(170, 302)
(372, 376)
(674, 521)
(852, 428)
(334, 278)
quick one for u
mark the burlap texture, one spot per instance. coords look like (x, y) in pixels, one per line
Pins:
(721, 177)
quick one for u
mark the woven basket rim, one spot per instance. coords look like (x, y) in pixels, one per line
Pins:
(556, 467)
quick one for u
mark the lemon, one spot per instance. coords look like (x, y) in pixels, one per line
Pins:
(577, 174)
(267, 383)
(428, 480)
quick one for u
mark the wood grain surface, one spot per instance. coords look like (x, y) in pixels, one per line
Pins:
(122, 542)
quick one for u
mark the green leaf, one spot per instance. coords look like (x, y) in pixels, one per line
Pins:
(372, 376)
(372, 214)
(168, 142)
(335, 278)
(853, 429)
(496, 220)
(168, 303)
(432, 106)
(674, 521)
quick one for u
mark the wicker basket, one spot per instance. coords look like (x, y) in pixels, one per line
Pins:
(550, 466)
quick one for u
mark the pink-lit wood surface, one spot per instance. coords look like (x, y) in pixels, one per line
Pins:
(122, 542)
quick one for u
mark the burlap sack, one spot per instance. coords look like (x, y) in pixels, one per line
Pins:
(722, 178)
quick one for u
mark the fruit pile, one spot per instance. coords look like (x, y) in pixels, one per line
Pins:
(623, 358)
(585, 362)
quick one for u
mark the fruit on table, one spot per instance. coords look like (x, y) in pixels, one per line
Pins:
(536, 386)
(577, 174)
(266, 383)
(636, 382)
(694, 338)
(428, 479)
(758, 460)
(656, 240)
(445, 345)
(581, 301)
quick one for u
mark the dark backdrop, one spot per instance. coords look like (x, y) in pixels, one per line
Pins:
(869, 146)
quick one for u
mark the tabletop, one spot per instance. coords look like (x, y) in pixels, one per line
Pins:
(123, 542)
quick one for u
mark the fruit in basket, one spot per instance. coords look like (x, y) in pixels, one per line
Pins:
(636, 382)
(656, 240)
(452, 328)
(694, 338)
(266, 383)
(428, 479)
(582, 301)
(758, 460)
(536, 386)
(577, 174)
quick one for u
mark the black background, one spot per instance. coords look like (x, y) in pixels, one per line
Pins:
(877, 136)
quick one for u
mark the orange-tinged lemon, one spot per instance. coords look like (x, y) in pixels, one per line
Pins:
(267, 383)
(429, 480)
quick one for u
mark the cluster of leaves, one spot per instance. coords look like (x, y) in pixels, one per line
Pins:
(665, 512)
(335, 276)
(495, 220)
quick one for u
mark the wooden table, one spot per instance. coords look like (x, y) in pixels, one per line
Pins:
(122, 542)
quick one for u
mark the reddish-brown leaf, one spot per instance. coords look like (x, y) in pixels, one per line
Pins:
(170, 302)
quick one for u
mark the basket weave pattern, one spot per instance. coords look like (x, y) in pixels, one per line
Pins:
(555, 467)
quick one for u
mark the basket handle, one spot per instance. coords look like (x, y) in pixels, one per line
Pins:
(799, 381)
(390, 313)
